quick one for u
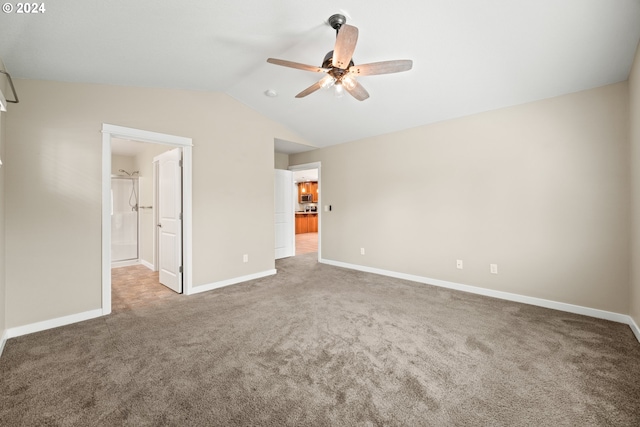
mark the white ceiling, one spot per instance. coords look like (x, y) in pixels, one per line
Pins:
(305, 175)
(469, 55)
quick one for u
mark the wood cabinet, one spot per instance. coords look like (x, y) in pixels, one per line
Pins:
(302, 225)
(306, 223)
(313, 223)
(308, 188)
(303, 188)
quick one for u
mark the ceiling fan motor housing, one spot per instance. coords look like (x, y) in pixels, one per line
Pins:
(335, 71)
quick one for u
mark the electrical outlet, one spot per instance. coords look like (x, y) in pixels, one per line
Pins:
(459, 264)
(494, 268)
(361, 251)
(245, 258)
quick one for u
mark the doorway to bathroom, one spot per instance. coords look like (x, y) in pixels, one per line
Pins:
(139, 276)
(145, 168)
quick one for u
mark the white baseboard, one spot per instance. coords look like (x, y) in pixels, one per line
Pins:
(52, 323)
(3, 341)
(128, 263)
(228, 282)
(634, 327)
(561, 306)
(147, 264)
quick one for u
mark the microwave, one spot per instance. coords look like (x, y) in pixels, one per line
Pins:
(306, 198)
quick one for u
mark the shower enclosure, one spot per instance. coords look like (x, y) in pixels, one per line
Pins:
(124, 218)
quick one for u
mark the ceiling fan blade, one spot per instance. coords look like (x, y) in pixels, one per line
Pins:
(297, 65)
(314, 87)
(345, 45)
(357, 91)
(384, 67)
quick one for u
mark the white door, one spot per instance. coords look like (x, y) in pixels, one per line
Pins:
(284, 214)
(170, 219)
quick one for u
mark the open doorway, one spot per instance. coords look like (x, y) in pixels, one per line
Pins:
(139, 275)
(307, 213)
(144, 269)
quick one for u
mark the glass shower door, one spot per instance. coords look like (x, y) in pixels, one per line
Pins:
(124, 219)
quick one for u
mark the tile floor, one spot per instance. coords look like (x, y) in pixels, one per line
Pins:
(306, 242)
(136, 286)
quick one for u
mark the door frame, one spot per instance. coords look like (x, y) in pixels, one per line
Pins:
(305, 166)
(112, 131)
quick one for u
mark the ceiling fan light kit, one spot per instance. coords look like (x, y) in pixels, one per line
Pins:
(339, 67)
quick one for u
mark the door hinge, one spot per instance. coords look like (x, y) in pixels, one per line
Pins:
(180, 215)
(180, 163)
(180, 269)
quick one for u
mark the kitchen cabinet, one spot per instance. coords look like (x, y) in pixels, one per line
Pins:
(308, 188)
(312, 223)
(306, 223)
(302, 224)
(303, 188)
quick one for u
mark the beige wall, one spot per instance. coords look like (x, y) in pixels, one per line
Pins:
(281, 161)
(634, 136)
(122, 162)
(53, 191)
(3, 305)
(541, 190)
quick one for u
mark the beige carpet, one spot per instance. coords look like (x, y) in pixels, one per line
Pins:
(317, 345)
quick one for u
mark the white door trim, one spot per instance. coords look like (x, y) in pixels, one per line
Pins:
(113, 131)
(314, 165)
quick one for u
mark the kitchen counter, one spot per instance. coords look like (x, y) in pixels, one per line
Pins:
(305, 213)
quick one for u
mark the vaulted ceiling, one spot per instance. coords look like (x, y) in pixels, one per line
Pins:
(469, 56)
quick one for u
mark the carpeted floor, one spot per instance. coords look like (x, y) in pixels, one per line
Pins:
(318, 345)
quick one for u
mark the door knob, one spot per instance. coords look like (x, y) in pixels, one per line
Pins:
(159, 225)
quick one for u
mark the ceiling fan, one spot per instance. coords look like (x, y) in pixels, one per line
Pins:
(338, 64)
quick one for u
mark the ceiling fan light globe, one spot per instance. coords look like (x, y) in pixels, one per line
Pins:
(327, 81)
(339, 92)
(349, 82)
